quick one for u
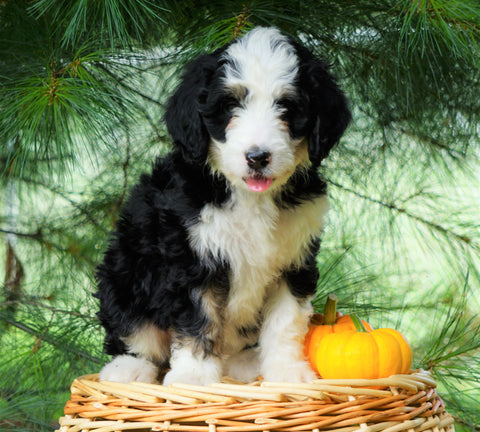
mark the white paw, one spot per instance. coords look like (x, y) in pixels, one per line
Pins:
(293, 372)
(187, 368)
(244, 366)
(127, 369)
(194, 377)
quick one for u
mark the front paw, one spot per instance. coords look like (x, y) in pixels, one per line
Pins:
(127, 369)
(292, 372)
(194, 377)
(244, 366)
(188, 368)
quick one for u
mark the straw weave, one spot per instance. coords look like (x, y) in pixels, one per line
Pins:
(398, 403)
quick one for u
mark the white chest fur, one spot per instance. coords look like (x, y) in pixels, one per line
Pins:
(258, 240)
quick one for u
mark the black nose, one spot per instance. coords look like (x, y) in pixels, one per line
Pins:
(258, 159)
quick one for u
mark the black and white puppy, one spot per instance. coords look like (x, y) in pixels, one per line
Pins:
(212, 266)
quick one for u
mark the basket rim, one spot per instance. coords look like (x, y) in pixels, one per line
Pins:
(398, 403)
(229, 391)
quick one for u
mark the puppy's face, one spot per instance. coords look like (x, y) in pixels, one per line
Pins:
(257, 110)
(254, 113)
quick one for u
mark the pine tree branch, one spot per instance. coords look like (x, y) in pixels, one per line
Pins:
(10, 424)
(42, 239)
(130, 89)
(391, 206)
(32, 235)
(125, 166)
(64, 195)
(466, 423)
(454, 153)
(45, 337)
(32, 301)
(14, 276)
(139, 107)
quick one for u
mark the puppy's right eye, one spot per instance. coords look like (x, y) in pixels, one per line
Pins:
(229, 103)
(285, 104)
(219, 113)
(293, 114)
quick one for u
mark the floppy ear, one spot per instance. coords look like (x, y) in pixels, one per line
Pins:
(182, 115)
(329, 108)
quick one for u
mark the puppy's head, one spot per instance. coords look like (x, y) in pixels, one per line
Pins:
(257, 110)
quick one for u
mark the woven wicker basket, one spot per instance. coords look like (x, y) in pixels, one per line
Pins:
(394, 404)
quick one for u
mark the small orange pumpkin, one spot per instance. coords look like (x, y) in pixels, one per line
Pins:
(354, 350)
(322, 325)
(363, 354)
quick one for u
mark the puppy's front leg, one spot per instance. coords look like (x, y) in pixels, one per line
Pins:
(190, 365)
(281, 337)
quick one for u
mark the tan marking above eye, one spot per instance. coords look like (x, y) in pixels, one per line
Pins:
(283, 125)
(232, 122)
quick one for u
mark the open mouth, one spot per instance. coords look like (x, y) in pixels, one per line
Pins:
(258, 182)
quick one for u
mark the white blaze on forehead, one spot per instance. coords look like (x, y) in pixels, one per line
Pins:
(262, 61)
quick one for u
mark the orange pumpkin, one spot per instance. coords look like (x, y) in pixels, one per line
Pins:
(363, 354)
(346, 347)
(322, 325)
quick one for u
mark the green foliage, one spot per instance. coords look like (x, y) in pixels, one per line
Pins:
(82, 89)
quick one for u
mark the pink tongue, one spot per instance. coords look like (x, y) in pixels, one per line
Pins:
(259, 184)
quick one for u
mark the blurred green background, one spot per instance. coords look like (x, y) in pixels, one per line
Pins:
(83, 84)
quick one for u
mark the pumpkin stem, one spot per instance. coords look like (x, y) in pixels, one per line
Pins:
(330, 312)
(358, 323)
